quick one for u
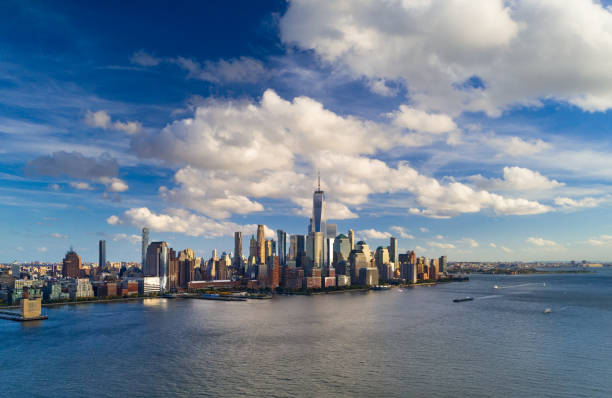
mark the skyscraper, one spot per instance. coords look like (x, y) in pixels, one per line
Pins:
(318, 210)
(237, 249)
(261, 244)
(393, 251)
(342, 249)
(352, 239)
(282, 246)
(71, 267)
(145, 244)
(158, 262)
(442, 264)
(102, 254)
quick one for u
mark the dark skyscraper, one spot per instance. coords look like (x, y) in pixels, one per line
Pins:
(102, 254)
(237, 249)
(282, 246)
(145, 244)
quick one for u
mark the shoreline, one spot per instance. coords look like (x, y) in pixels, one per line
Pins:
(298, 293)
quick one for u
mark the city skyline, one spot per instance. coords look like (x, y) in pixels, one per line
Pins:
(225, 125)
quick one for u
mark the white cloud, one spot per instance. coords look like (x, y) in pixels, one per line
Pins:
(440, 237)
(601, 240)
(435, 46)
(423, 229)
(114, 184)
(515, 146)
(540, 242)
(55, 187)
(101, 119)
(516, 179)
(568, 203)
(380, 87)
(419, 249)
(182, 221)
(133, 239)
(506, 249)
(42, 249)
(58, 236)
(415, 119)
(373, 234)
(245, 151)
(81, 186)
(470, 242)
(401, 232)
(441, 245)
(492, 244)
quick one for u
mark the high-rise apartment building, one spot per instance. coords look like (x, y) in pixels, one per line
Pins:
(145, 245)
(237, 249)
(102, 254)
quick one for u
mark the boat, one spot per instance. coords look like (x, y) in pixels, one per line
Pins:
(495, 287)
(381, 287)
(460, 300)
(547, 311)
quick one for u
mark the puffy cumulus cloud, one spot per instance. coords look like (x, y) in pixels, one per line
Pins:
(101, 170)
(101, 119)
(231, 155)
(516, 179)
(423, 229)
(541, 242)
(182, 221)
(439, 46)
(133, 238)
(569, 203)
(505, 249)
(441, 245)
(57, 235)
(401, 232)
(601, 240)
(246, 138)
(492, 245)
(373, 234)
(415, 119)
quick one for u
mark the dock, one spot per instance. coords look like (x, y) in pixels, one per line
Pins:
(17, 317)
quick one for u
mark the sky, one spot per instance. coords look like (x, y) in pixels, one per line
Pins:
(476, 129)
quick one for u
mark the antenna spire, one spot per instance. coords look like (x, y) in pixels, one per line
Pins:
(318, 180)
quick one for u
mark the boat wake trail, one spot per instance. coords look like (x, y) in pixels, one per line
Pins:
(520, 285)
(489, 297)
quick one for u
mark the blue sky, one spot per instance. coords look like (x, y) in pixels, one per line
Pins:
(463, 128)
